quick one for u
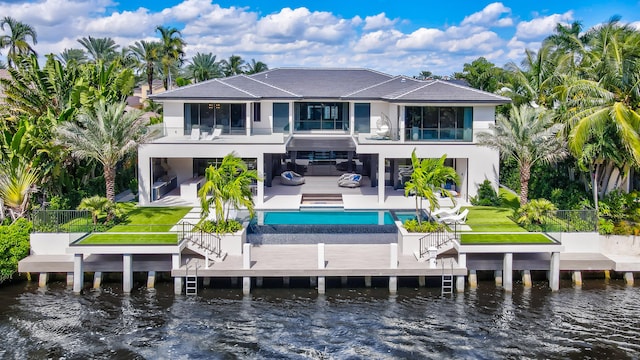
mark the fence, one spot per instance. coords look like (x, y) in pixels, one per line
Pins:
(61, 221)
(570, 221)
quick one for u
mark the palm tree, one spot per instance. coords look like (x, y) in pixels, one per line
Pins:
(106, 135)
(100, 48)
(171, 52)
(204, 67)
(16, 39)
(527, 136)
(255, 67)
(17, 183)
(148, 54)
(233, 66)
(227, 186)
(97, 205)
(69, 55)
(427, 179)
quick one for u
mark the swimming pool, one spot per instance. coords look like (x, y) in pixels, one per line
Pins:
(325, 218)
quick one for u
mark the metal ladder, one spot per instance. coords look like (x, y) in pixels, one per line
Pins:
(447, 281)
(191, 282)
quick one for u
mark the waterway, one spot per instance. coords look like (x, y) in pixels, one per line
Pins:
(599, 321)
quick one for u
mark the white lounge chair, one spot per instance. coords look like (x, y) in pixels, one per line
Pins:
(446, 212)
(195, 134)
(291, 178)
(349, 180)
(456, 219)
(214, 135)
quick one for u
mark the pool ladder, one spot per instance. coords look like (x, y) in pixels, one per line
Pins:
(191, 281)
(447, 281)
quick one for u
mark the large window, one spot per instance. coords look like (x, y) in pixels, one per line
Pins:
(438, 123)
(321, 116)
(230, 117)
(362, 117)
(280, 117)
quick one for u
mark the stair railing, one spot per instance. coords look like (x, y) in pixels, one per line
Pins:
(194, 234)
(435, 239)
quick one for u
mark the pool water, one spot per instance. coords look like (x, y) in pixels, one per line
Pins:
(327, 218)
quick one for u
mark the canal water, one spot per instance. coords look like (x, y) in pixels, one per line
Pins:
(599, 321)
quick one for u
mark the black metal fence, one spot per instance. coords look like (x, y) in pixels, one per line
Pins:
(570, 221)
(61, 221)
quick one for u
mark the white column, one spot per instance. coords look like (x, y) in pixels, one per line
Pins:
(177, 281)
(628, 278)
(144, 177)
(554, 272)
(127, 273)
(321, 262)
(380, 177)
(291, 117)
(246, 264)
(473, 279)
(526, 278)
(97, 279)
(462, 263)
(367, 281)
(78, 273)
(43, 279)
(576, 276)
(498, 276)
(70, 279)
(393, 264)
(151, 280)
(507, 272)
(248, 118)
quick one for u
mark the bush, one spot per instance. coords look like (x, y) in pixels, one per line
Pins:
(605, 226)
(535, 212)
(14, 246)
(219, 227)
(487, 196)
(412, 225)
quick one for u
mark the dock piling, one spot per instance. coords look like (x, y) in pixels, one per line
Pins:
(498, 276)
(127, 273)
(628, 278)
(77, 277)
(97, 280)
(526, 278)
(321, 279)
(43, 278)
(473, 279)
(393, 264)
(576, 276)
(507, 272)
(554, 272)
(151, 280)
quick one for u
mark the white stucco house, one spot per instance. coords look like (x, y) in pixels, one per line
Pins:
(318, 122)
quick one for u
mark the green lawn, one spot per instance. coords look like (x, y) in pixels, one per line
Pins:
(509, 199)
(130, 239)
(528, 238)
(151, 219)
(492, 219)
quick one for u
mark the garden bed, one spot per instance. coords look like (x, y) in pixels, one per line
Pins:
(524, 238)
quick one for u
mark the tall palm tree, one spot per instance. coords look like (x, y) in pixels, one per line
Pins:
(69, 55)
(16, 39)
(255, 67)
(227, 186)
(104, 49)
(527, 136)
(204, 67)
(148, 54)
(106, 134)
(171, 52)
(427, 179)
(235, 65)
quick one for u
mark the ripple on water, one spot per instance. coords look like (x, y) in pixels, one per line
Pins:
(593, 322)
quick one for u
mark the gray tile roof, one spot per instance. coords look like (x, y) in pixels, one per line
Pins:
(342, 84)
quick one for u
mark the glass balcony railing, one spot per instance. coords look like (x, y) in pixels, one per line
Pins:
(438, 134)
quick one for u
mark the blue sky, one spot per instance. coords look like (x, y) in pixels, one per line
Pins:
(397, 37)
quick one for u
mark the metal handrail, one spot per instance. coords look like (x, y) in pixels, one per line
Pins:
(208, 241)
(435, 239)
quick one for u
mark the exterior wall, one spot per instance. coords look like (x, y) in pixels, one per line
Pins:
(173, 114)
(52, 243)
(266, 118)
(483, 116)
(182, 168)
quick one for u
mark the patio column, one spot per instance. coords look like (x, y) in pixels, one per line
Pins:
(380, 176)
(127, 273)
(78, 273)
(260, 185)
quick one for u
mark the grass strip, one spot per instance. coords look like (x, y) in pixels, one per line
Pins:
(130, 239)
(151, 219)
(528, 238)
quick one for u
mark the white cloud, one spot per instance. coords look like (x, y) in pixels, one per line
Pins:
(379, 21)
(421, 39)
(124, 24)
(491, 15)
(290, 24)
(377, 41)
(542, 26)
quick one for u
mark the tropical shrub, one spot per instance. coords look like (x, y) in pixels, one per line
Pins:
(487, 196)
(412, 225)
(535, 212)
(605, 226)
(219, 227)
(14, 246)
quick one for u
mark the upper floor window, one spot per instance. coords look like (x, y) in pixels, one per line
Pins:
(321, 116)
(438, 123)
(230, 117)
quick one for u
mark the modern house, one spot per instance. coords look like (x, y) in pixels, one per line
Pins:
(319, 122)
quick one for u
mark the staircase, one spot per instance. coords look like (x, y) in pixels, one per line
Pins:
(441, 240)
(333, 200)
(201, 242)
(447, 281)
(191, 281)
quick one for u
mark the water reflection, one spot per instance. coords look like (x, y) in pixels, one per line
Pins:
(600, 320)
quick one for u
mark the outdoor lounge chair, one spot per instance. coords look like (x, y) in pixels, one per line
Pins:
(447, 212)
(456, 219)
(195, 134)
(349, 180)
(214, 135)
(291, 178)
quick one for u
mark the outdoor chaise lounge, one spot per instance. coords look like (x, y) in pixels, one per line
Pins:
(214, 135)
(456, 219)
(447, 212)
(291, 178)
(349, 180)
